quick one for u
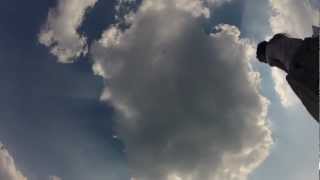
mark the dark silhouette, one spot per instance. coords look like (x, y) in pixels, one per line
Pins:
(299, 58)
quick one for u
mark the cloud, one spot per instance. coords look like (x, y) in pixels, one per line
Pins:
(217, 2)
(54, 178)
(296, 18)
(284, 91)
(187, 103)
(60, 31)
(8, 169)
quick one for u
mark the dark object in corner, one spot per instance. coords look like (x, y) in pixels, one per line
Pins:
(300, 60)
(303, 75)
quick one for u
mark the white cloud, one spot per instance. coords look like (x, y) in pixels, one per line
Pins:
(287, 96)
(296, 18)
(60, 31)
(187, 104)
(8, 169)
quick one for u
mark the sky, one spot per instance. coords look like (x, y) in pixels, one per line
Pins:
(151, 90)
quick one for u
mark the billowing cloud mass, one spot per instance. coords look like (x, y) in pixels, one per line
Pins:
(294, 17)
(60, 31)
(8, 169)
(187, 103)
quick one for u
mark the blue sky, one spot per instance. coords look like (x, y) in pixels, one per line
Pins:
(53, 123)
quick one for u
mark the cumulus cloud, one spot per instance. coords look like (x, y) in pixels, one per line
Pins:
(60, 31)
(187, 103)
(8, 169)
(296, 18)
